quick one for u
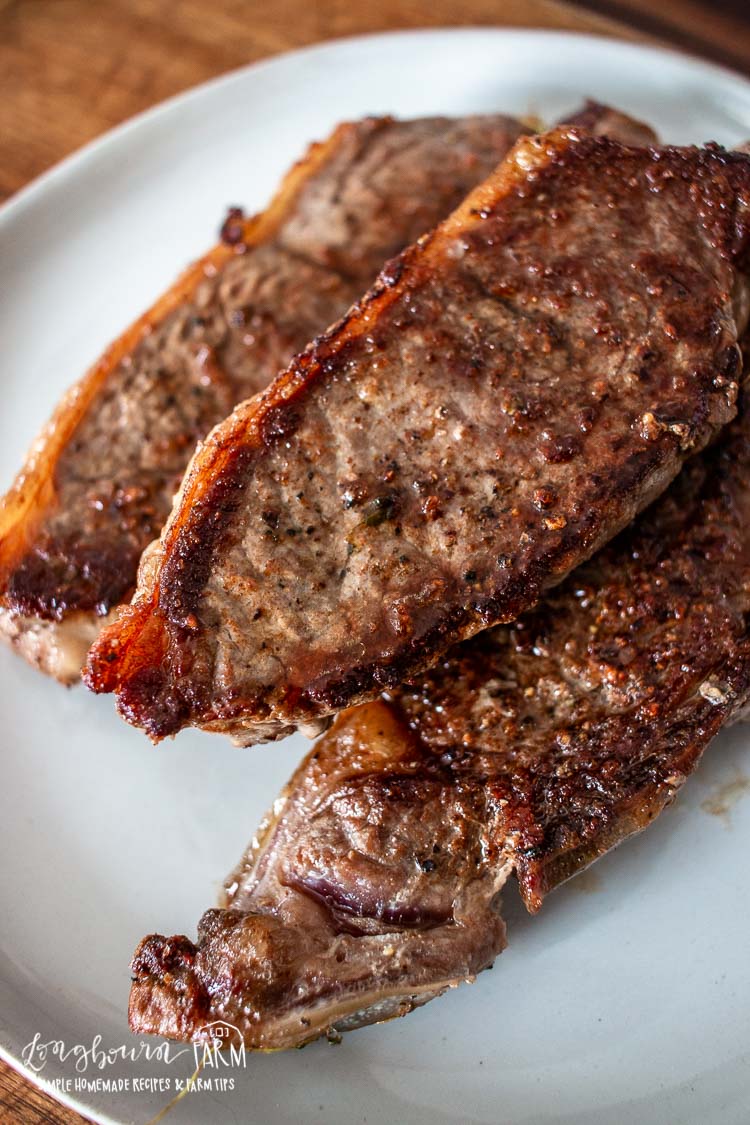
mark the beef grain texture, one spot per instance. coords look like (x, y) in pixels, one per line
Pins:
(514, 389)
(100, 480)
(533, 748)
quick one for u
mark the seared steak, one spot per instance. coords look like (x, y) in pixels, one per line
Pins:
(532, 748)
(99, 481)
(514, 389)
(605, 121)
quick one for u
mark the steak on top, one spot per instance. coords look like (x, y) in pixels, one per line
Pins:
(514, 389)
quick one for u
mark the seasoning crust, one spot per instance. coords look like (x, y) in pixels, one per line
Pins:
(513, 390)
(99, 482)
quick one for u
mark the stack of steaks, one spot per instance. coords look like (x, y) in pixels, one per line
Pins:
(487, 532)
(99, 482)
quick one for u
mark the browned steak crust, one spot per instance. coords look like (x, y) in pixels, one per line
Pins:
(100, 482)
(512, 391)
(534, 748)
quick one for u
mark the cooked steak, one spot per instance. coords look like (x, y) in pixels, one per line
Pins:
(604, 120)
(511, 392)
(532, 748)
(99, 481)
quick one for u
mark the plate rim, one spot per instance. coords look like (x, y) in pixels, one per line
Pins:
(104, 142)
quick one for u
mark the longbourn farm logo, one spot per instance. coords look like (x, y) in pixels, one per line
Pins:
(218, 1052)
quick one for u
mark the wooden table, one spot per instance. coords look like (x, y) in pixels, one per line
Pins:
(69, 69)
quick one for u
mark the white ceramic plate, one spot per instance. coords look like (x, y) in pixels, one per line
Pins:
(629, 997)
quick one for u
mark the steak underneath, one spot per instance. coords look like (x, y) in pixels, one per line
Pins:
(99, 482)
(514, 389)
(533, 748)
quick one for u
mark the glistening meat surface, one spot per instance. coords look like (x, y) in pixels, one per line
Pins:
(99, 482)
(515, 388)
(533, 748)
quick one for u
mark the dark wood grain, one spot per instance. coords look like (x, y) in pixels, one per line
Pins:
(718, 30)
(21, 1103)
(70, 69)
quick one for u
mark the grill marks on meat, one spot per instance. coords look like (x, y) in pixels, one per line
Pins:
(534, 747)
(512, 391)
(99, 482)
